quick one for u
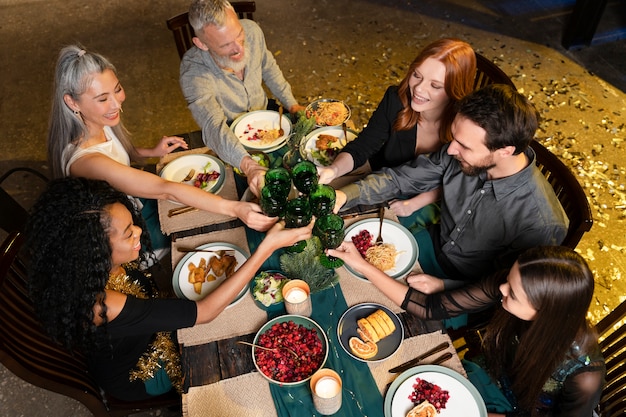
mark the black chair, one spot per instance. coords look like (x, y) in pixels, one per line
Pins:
(566, 187)
(569, 192)
(488, 72)
(612, 332)
(183, 32)
(30, 354)
(13, 215)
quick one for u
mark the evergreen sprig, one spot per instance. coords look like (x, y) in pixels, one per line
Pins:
(306, 266)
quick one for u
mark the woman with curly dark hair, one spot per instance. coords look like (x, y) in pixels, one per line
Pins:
(539, 352)
(84, 239)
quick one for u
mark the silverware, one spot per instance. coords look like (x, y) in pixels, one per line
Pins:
(180, 210)
(415, 361)
(218, 251)
(381, 216)
(189, 175)
(281, 131)
(441, 359)
(345, 134)
(266, 348)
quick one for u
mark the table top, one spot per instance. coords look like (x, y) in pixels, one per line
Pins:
(219, 372)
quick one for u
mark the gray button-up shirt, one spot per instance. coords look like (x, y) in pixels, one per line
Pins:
(217, 97)
(485, 224)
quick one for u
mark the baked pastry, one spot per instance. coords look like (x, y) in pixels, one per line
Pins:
(423, 409)
(371, 330)
(364, 350)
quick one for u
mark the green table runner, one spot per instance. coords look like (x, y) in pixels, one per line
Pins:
(361, 397)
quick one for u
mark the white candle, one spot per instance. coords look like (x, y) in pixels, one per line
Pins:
(296, 295)
(327, 387)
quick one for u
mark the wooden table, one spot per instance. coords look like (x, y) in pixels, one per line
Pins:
(220, 368)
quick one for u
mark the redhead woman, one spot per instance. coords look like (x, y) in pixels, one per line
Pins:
(86, 138)
(413, 118)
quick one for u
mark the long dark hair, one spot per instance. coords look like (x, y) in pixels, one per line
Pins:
(559, 285)
(70, 256)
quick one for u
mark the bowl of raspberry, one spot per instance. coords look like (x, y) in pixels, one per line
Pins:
(289, 349)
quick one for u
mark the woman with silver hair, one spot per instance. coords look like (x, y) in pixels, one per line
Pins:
(86, 138)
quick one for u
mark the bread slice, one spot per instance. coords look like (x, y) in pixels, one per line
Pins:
(423, 409)
(388, 321)
(374, 321)
(368, 331)
(378, 315)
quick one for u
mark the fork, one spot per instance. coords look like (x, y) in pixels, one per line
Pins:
(381, 216)
(281, 132)
(189, 175)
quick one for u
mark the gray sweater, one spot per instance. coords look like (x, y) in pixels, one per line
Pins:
(217, 97)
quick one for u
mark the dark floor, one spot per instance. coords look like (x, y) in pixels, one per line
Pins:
(347, 49)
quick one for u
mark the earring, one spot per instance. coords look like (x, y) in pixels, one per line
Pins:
(76, 112)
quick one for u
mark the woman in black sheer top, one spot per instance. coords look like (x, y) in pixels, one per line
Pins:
(538, 349)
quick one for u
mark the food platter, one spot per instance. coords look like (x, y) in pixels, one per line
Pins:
(347, 328)
(313, 110)
(180, 282)
(178, 169)
(393, 233)
(464, 400)
(321, 157)
(249, 126)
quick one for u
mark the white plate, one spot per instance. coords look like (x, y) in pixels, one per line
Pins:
(311, 138)
(394, 233)
(465, 400)
(180, 278)
(246, 125)
(178, 169)
(312, 108)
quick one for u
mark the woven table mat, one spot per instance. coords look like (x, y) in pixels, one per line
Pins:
(249, 394)
(197, 218)
(248, 316)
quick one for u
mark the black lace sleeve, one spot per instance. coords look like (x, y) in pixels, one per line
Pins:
(581, 391)
(469, 299)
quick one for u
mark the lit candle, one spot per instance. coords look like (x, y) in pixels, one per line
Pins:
(296, 295)
(327, 387)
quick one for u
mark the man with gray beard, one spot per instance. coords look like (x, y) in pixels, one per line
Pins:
(222, 78)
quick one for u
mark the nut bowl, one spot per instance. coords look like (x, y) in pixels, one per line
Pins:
(292, 348)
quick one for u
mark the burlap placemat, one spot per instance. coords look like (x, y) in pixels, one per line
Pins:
(249, 317)
(249, 394)
(197, 218)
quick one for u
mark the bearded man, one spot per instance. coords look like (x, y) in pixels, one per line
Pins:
(495, 203)
(222, 78)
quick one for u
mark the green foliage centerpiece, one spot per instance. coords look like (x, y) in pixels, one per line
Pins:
(306, 266)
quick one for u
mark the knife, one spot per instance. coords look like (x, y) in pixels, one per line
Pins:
(415, 361)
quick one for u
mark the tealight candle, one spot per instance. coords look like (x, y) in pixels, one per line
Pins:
(327, 387)
(326, 391)
(296, 295)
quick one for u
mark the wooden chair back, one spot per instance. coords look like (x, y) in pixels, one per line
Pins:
(612, 332)
(569, 192)
(566, 187)
(13, 215)
(183, 32)
(30, 354)
(488, 72)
